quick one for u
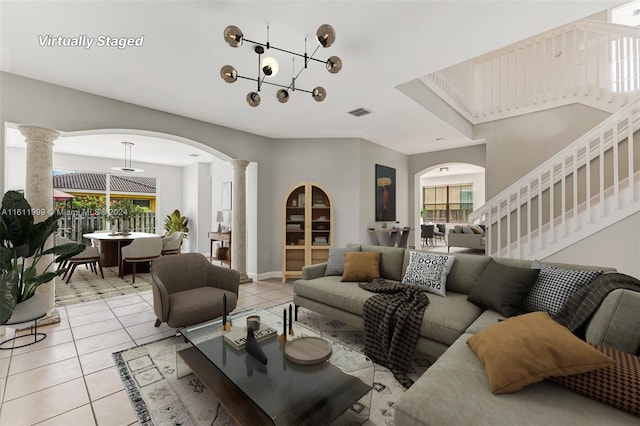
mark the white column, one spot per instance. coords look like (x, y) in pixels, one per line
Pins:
(239, 213)
(39, 194)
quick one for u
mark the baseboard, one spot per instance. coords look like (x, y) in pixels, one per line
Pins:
(265, 275)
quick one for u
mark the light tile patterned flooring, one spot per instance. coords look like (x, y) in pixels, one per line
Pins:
(69, 378)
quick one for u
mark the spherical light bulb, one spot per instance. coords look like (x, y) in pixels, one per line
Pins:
(269, 66)
(283, 96)
(229, 74)
(334, 64)
(253, 99)
(233, 36)
(326, 35)
(319, 93)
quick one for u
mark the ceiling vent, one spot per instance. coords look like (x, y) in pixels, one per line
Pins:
(360, 112)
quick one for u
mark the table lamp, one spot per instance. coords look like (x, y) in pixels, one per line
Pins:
(219, 218)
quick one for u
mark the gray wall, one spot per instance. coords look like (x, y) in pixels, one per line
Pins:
(517, 145)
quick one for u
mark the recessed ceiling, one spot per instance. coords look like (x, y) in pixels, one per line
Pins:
(383, 44)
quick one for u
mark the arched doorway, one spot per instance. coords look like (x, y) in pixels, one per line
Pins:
(446, 193)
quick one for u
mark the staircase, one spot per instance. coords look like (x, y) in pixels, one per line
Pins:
(591, 184)
(595, 181)
(588, 62)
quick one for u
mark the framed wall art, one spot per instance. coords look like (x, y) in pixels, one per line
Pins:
(385, 185)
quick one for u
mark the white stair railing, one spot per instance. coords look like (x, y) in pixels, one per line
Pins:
(591, 184)
(589, 62)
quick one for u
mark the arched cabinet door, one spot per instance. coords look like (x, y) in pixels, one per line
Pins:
(307, 228)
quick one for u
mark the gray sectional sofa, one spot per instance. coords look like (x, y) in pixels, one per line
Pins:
(455, 389)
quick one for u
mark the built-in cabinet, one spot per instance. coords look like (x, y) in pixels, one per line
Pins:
(307, 228)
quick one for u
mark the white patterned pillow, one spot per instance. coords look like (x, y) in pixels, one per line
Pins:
(429, 271)
(554, 286)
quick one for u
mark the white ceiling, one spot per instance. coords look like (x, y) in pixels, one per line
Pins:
(383, 44)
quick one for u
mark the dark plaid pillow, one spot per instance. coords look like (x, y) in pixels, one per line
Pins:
(617, 385)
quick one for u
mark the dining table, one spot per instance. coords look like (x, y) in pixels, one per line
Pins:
(111, 243)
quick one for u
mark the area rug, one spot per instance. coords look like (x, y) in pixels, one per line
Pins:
(159, 398)
(85, 286)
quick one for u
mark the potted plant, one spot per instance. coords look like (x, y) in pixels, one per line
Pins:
(22, 248)
(122, 210)
(176, 222)
(424, 213)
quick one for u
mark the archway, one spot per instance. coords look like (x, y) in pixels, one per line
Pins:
(193, 186)
(452, 187)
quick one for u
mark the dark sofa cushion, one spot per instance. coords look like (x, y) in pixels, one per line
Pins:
(503, 288)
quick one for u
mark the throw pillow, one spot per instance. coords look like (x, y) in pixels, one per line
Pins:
(526, 349)
(502, 288)
(428, 271)
(466, 230)
(617, 385)
(476, 229)
(335, 262)
(361, 266)
(554, 286)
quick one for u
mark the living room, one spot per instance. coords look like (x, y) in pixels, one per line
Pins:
(170, 86)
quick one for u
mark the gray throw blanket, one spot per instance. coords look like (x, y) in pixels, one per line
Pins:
(392, 321)
(585, 302)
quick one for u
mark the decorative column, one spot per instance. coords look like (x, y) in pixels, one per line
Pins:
(39, 194)
(239, 214)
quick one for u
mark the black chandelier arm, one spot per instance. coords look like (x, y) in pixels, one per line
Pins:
(308, 58)
(274, 84)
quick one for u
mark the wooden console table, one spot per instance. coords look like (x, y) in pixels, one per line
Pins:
(222, 237)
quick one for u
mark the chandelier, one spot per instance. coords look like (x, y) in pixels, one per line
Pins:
(127, 160)
(268, 66)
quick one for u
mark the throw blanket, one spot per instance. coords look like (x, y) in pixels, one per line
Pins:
(392, 324)
(583, 304)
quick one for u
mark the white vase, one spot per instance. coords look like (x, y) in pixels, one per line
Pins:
(29, 310)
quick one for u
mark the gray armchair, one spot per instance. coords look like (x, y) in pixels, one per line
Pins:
(188, 290)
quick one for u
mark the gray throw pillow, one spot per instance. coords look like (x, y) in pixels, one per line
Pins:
(466, 230)
(335, 262)
(503, 288)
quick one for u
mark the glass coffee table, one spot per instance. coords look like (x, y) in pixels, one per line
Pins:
(337, 391)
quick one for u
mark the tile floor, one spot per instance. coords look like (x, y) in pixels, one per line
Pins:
(70, 379)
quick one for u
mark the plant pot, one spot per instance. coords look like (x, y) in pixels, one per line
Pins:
(29, 310)
(125, 226)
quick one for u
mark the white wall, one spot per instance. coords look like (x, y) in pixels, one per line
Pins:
(617, 246)
(196, 201)
(221, 171)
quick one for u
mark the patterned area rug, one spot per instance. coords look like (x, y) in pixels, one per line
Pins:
(159, 398)
(85, 286)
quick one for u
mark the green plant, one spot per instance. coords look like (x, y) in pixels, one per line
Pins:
(424, 213)
(22, 247)
(122, 209)
(176, 222)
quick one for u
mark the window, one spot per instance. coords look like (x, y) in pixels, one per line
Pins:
(142, 203)
(448, 203)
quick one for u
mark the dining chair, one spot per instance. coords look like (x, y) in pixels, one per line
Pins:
(440, 233)
(140, 250)
(427, 233)
(171, 244)
(90, 257)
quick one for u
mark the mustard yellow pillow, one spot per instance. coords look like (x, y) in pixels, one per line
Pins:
(361, 266)
(525, 349)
